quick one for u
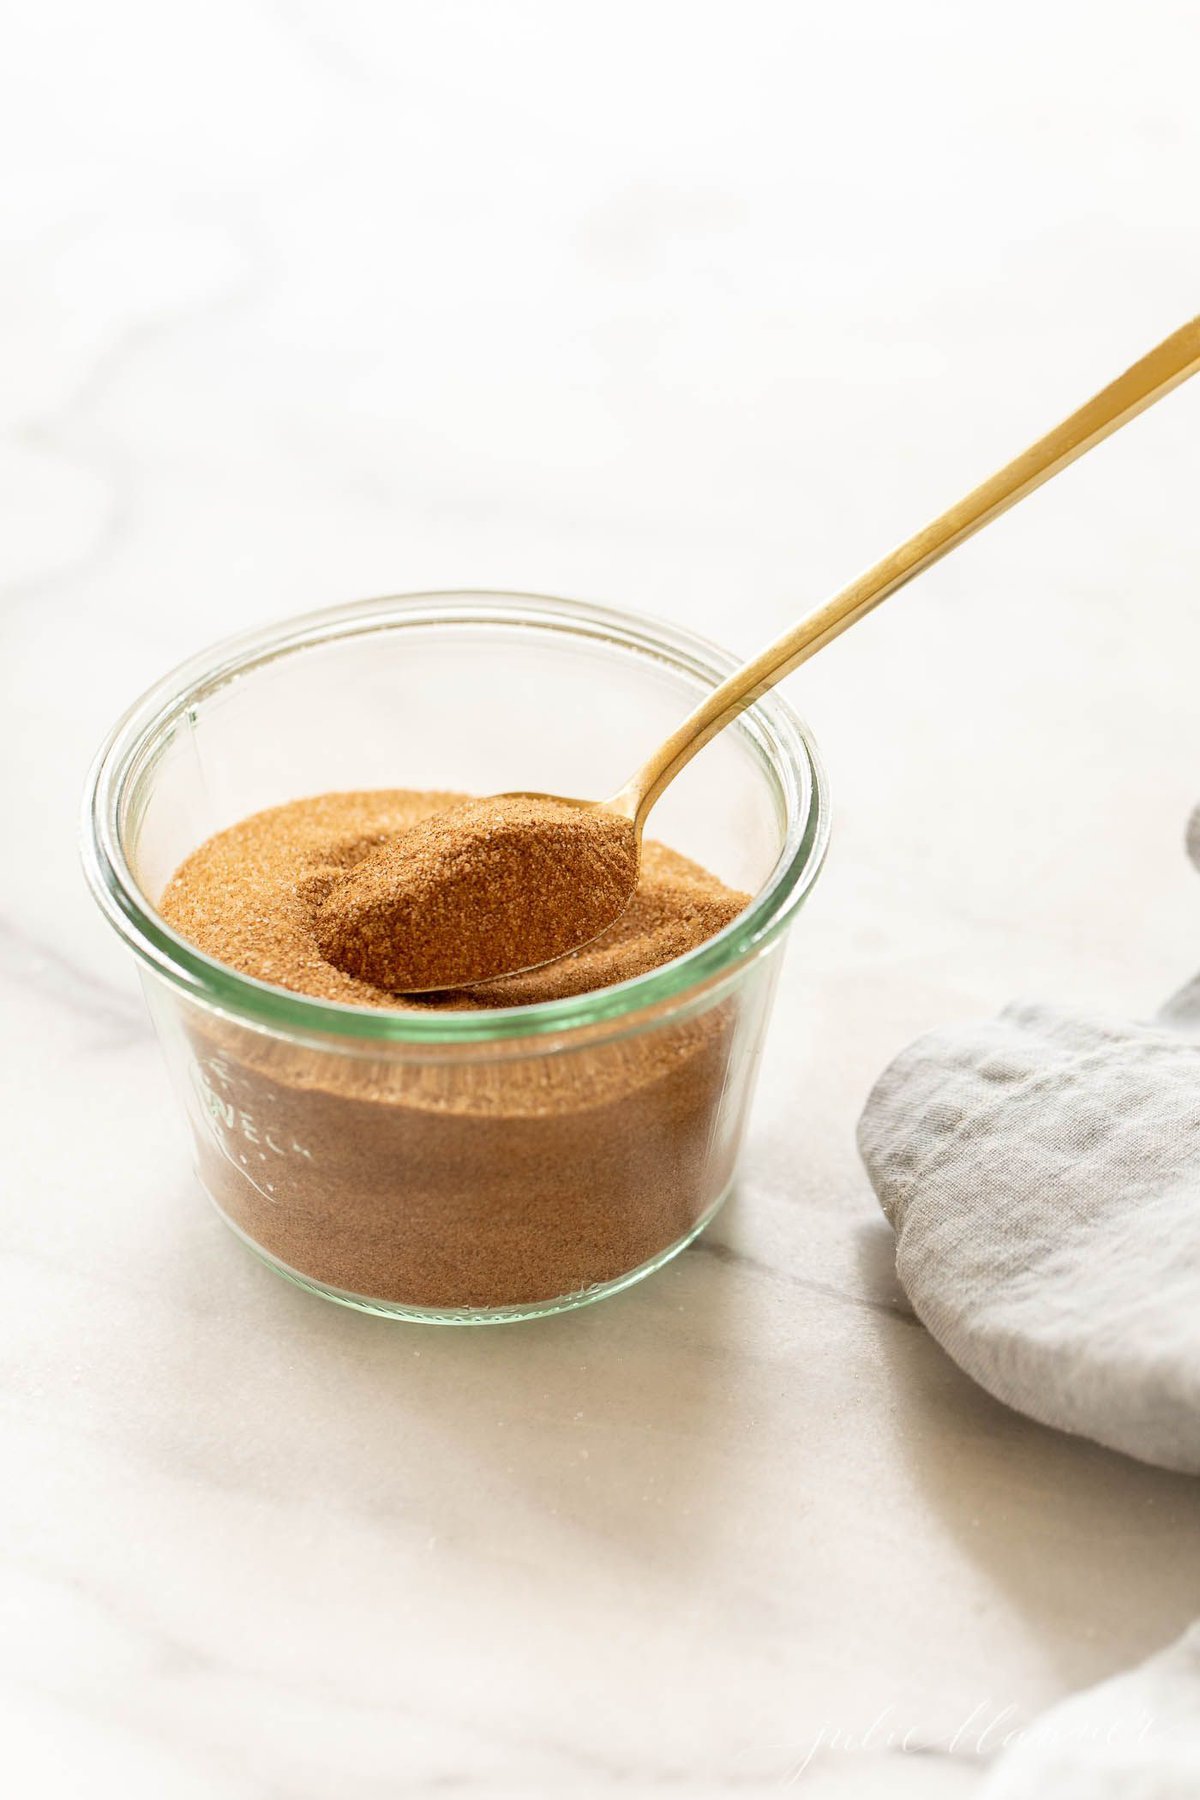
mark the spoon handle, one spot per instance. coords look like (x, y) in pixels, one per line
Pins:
(1168, 364)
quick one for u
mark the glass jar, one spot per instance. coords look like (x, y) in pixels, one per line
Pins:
(459, 1166)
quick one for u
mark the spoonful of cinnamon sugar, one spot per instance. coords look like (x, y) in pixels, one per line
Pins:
(486, 888)
(492, 887)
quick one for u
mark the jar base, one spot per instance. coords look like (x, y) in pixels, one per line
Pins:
(474, 1315)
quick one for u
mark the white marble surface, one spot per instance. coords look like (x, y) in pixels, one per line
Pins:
(695, 309)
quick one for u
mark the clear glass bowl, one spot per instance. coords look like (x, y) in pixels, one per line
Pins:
(459, 1166)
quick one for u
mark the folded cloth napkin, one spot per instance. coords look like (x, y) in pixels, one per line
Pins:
(1042, 1174)
(1136, 1737)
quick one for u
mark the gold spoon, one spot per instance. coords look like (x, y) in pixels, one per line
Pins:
(499, 886)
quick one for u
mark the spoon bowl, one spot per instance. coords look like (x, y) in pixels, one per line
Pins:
(486, 888)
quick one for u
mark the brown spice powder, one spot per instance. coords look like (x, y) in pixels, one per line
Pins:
(486, 887)
(520, 1172)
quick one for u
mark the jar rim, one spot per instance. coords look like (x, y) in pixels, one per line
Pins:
(784, 747)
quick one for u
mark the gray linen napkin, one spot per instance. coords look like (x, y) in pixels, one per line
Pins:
(1136, 1737)
(1042, 1174)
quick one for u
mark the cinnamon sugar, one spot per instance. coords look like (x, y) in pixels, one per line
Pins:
(255, 897)
(487, 1176)
(476, 891)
